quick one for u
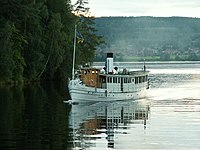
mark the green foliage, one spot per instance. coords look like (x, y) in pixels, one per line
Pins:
(36, 39)
(34, 30)
(89, 43)
(19, 62)
(11, 62)
(6, 54)
(150, 36)
(56, 47)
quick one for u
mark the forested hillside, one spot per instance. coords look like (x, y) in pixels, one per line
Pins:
(36, 39)
(152, 38)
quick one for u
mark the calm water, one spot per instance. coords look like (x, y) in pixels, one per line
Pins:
(35, 117)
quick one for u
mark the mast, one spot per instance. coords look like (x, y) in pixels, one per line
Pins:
(74, 52)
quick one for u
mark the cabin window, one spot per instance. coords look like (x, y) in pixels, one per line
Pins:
(136, 80)
(88, 71)
(118, 80)
(109, 79)
(143, 78)
(125, 80)
(114, 80)
(140, 79)
(103, 80)
(133, 80)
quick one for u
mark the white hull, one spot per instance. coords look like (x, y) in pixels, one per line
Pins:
(79, 93)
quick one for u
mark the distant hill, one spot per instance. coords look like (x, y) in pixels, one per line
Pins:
(152, 38)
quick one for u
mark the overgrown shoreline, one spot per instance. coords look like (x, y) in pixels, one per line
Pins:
(36, 39)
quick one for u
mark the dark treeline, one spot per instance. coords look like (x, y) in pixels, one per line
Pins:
(157, 38)
(36, 38)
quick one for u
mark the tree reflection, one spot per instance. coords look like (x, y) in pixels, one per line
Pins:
(34, 117)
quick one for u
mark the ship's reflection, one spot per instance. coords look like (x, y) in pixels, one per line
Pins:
(98, 123)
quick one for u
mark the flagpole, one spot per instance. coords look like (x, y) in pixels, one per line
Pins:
(74, 52)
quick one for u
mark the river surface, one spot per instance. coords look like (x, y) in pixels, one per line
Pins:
(35, 117)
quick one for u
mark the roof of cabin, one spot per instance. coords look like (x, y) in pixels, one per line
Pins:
(128, 74)
(89, 68)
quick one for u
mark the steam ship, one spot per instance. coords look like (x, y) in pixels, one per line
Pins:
(108, 83)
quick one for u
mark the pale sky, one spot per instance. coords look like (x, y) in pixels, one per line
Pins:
(164, 8)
